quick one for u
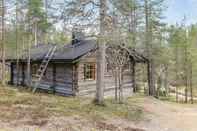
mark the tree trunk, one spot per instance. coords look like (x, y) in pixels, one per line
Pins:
(116, 85)
(186, 91)
(144, 78)
(148, 38)
(148, 77)
(100, 84)
(191, 83)
(166, 81)
(186, 74)
(46, 11)
(158, 86)
(176, 71)
(133, 77)
(29, 62)
(35, 34)
(120, 84)
(152, 79)
(133, 23)
(17, 47)
(3, 41)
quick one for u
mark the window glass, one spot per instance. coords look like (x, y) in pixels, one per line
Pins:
(89, 71)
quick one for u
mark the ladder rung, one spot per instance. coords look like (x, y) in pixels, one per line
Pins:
(43, 67)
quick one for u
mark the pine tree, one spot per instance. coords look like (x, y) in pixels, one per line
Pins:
(153, 11)
(100, 84)
(2, 6)
(38, 19)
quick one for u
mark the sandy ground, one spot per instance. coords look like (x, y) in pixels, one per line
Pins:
(169, 116)
(162, 116)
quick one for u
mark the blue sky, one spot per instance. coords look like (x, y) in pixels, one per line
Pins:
(178, 8)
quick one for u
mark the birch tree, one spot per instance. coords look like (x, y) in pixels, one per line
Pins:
(118, 57)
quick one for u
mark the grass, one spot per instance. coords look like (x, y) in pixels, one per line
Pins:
(19, 104)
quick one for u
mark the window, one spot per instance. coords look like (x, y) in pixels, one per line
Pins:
(89, 71)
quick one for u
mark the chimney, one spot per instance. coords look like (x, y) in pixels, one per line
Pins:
(77, 36)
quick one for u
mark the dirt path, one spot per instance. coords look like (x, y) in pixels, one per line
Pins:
(169, 116)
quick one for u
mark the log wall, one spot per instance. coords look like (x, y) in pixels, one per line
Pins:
(88, 87)
(63, 80)
(20, 77)
(68, 79)
(58, 77)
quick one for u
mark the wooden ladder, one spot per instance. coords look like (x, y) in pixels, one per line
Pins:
(43, 66)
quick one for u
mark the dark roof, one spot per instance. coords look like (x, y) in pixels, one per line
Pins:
(67, 52)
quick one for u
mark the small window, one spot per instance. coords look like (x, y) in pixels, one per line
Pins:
(89, 71)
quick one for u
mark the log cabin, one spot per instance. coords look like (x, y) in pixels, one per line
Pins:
(72, 69)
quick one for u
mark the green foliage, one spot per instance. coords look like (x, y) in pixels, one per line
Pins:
(37, 14)
(182, 42)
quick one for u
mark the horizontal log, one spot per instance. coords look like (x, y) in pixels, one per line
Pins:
(45, 86)
(63, 89)
(109, 89)
(59, 89)
(64, 85)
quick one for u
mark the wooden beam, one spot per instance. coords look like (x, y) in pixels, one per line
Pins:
(12, 74)
(148, 77)
(133, 76)
(75, 79)
(23, 74)
(54, 74)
